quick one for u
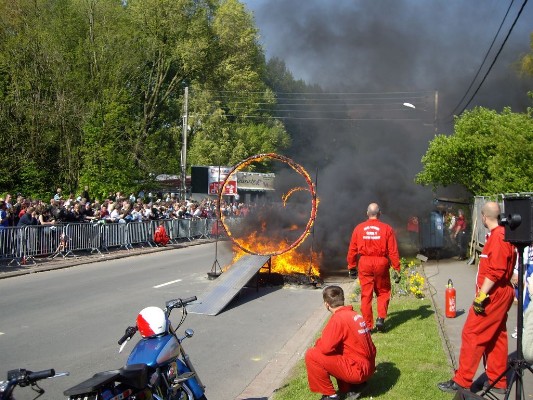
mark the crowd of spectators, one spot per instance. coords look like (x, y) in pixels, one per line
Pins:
(115, 208)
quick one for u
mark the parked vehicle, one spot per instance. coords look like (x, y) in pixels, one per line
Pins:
(157, 368)
(22, 378)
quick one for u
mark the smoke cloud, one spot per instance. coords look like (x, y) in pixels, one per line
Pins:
(373, 152)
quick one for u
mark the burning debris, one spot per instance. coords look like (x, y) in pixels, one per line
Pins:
(278, 229)
(293, 279)
(274, 251)
(294, 261)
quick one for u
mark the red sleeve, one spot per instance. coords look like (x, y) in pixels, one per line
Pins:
(352, 250)
(501, 260)
(332, 335)
(392, 248)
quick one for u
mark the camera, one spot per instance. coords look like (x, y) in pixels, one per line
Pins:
(517, 220)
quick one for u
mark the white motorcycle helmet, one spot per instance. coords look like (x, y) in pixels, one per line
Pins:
(151, 321)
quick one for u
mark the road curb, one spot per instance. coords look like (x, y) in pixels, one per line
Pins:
(273, 375)
(446, 344)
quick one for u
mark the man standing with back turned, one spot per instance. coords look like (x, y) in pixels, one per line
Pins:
(373, 249)
(485, 332)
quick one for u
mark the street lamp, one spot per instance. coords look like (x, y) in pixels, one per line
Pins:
(436, 111)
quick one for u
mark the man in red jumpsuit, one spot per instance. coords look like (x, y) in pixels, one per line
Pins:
(345, 351)
(459, 234)
(373, 248)
(485, 332)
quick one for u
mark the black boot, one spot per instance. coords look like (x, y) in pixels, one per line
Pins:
(380, 324)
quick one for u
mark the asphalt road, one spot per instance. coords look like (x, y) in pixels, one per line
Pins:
(70, 319)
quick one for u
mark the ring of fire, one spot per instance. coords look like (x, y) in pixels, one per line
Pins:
(296, 167)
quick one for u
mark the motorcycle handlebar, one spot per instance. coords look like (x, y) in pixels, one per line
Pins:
(178, 303)
(188, 300)
(38, 375)
(130, 331)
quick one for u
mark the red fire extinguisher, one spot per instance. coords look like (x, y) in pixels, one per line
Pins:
(450, 300)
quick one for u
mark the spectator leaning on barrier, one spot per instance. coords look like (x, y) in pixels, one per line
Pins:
(17, 208)
(136, 214)
(104, 214)
(125, 215)
(196, 211)
(28, 218)
(147, 212)
(114, 215)
(76, 215)
(43, 215)
(4, 220)
(88, 212)
(9, 208)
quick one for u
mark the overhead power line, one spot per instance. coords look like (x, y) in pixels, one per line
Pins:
(484, 59)
(342, 106)
(496, 57)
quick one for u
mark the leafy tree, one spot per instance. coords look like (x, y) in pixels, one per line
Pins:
(231, 114)
(526, 63)
(91, 91)
(488, 153)
(37, 111)
(280, 79)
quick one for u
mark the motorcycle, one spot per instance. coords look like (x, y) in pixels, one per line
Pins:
(22, 378)
(157, 368)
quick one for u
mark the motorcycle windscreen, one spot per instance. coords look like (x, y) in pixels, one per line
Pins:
(155, 352)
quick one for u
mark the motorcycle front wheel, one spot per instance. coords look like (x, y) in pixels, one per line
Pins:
(184, 396)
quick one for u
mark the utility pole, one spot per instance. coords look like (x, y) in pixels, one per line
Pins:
(184, 143)
(435, 119)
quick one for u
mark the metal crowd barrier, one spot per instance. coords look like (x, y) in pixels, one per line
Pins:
(174, 231)
(138, 233)
(195, 230)
(184, 228)
(115, 235)
(23, 244)
(81, 237)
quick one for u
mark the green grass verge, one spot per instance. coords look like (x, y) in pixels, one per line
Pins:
(410, 358)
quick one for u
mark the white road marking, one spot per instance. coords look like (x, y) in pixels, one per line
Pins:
(167, 283)
(1, 333)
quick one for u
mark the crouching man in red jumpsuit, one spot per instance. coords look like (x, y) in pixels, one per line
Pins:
(485, 332)
(373, 248)
(345, 351)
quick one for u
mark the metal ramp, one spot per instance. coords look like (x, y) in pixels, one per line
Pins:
(227, 285)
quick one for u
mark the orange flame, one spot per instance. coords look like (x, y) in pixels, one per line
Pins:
(280, 248)
(294, 261)
(285, 197)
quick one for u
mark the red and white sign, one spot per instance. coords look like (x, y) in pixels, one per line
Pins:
(216, 177)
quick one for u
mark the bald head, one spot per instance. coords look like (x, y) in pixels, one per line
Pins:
(490, 212)
(373, 210)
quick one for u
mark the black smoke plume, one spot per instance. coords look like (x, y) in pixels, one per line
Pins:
(365, 151)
